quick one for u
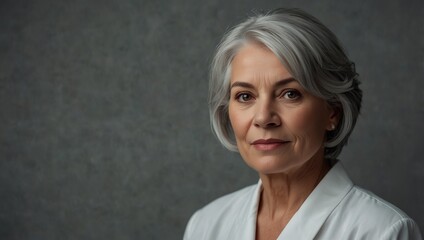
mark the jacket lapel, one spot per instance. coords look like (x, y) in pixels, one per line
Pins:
(310, 217)
(244, 226)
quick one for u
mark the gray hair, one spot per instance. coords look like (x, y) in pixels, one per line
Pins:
(310, 52)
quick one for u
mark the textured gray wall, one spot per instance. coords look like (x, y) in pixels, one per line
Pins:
(104, 130)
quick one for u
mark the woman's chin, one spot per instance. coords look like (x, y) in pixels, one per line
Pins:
(271, 164)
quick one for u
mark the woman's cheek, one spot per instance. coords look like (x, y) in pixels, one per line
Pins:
(305, 119)
(239, 120)
(298, 119)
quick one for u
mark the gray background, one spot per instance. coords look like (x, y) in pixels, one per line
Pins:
(104, 130)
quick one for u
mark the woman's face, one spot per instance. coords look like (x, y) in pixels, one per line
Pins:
(279, 127)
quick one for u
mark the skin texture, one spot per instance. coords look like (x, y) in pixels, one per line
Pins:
(280, 132)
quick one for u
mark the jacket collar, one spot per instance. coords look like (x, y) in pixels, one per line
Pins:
(310, 217)
(307, 221)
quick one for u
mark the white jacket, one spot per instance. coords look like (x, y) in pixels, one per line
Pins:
(335, 210)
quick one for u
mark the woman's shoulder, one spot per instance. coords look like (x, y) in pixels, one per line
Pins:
(356, 202)
(371, 205)
(228, 203)
(221, 216)
(370, 216)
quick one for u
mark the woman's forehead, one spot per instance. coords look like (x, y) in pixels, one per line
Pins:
(255, 62)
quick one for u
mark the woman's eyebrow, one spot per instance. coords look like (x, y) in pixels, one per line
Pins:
(241, 84)
(283, 82)
(279, 83)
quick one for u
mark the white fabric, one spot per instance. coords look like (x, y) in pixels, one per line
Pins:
(336, 209)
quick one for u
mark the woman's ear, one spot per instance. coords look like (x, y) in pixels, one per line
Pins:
(334, 116)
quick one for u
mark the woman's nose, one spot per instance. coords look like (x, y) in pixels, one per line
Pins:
(266, 116)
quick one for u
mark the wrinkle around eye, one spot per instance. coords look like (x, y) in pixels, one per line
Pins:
(297, 94)
(243, 97)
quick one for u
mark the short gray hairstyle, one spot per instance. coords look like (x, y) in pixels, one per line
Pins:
(310, 52)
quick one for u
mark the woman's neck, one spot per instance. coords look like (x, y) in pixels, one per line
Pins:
(284, 193)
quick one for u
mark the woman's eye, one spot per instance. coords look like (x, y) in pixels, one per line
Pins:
(243, 97)
(291, 94)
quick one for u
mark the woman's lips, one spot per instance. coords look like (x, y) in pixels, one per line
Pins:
(268, 144)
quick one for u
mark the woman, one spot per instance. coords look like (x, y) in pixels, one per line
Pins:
(284, 94)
